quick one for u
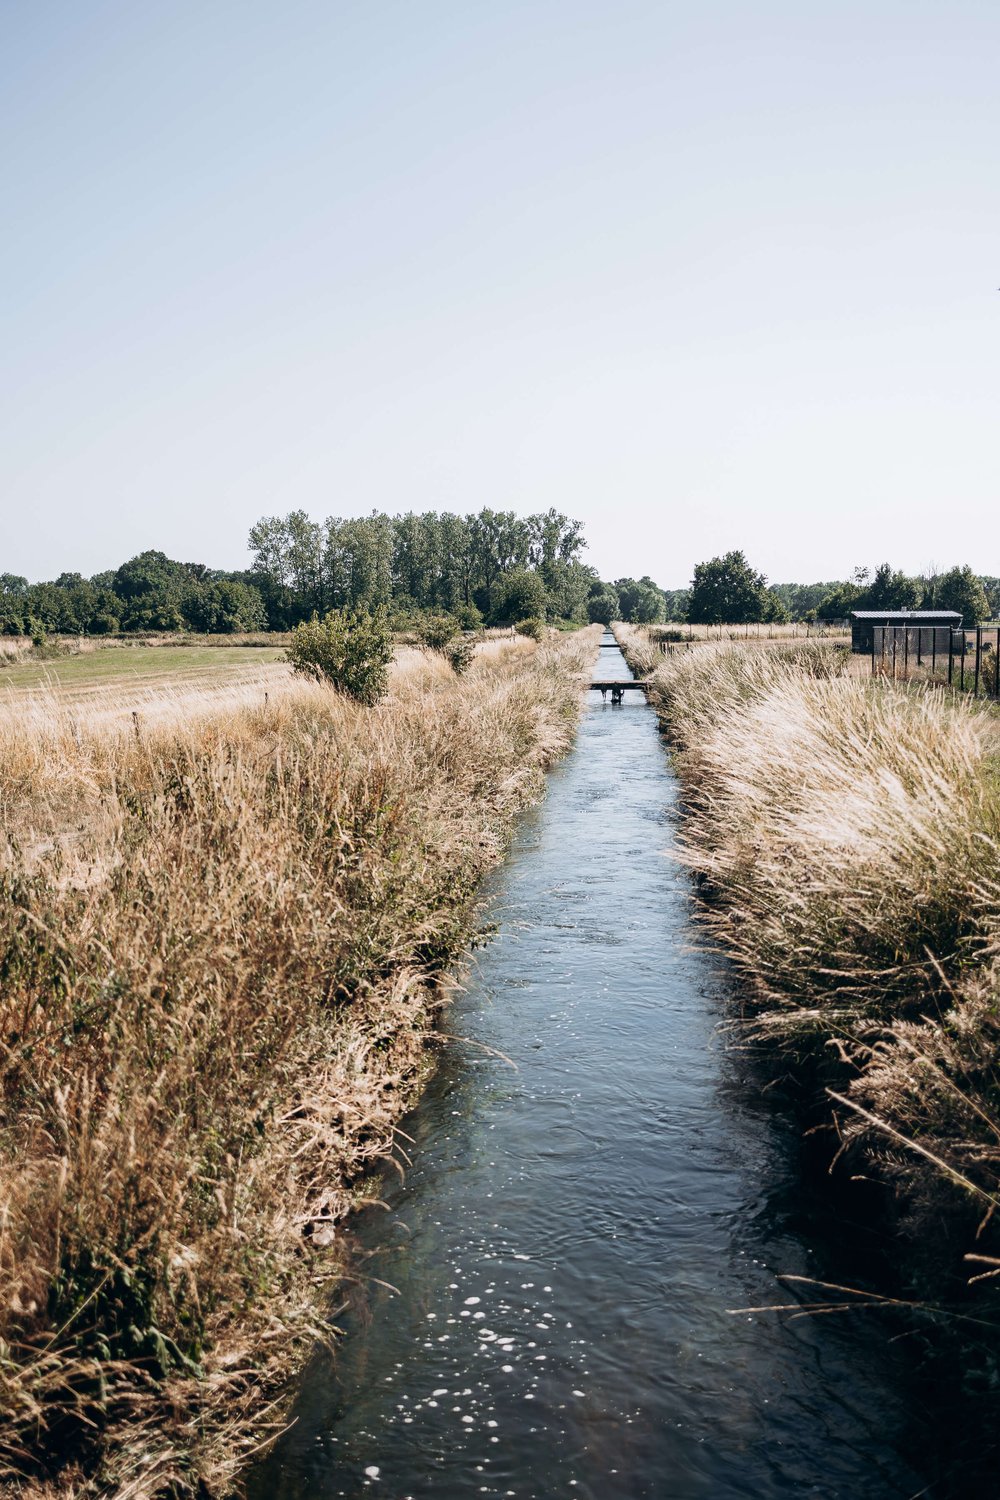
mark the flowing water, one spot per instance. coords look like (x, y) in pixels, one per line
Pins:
(547, 1306)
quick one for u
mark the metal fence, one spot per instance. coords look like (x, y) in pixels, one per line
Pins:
(966, 659)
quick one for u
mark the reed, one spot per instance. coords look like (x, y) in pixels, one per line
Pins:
(223, 934)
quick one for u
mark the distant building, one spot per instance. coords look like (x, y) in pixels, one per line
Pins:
(864, 621)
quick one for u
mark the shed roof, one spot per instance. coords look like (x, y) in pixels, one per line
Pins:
(905, 614)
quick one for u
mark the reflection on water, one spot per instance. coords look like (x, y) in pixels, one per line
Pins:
(579, 1220)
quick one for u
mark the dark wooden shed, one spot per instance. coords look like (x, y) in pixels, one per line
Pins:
(864, 621)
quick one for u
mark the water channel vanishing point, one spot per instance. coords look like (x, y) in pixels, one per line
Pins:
(546, 1308)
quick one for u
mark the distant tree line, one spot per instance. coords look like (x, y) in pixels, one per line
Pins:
(973, 596)
(148, 593)
(491, 567)
(728, 590)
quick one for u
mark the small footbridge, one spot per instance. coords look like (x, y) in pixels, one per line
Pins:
(617, 688)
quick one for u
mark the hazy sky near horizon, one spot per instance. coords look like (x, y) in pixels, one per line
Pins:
(706, 276)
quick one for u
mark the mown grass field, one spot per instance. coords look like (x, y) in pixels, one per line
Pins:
(135, 666)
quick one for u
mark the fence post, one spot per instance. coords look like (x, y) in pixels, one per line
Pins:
(874, 628)
(979, 658)
(961, 680)
(996, 665)
(894, 634)
(906, 652)
(951, 655)
(934, 631)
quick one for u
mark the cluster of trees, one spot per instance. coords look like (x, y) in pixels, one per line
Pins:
(149, 592)
(728, 590)
(638, 600)
(494, 565)
(974, 597)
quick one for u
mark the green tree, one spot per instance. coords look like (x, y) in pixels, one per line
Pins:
(774, 611)
(567, 587)
(604, 606)
(801, 598)
(500, 543)
(642, 603)
(960, 589)
(888, 590)
(224, 606)
(535, 628)
(991, 588)
(349, 649)
(150, 574)
(553, 539)
(838, 602)
(457, 568)
(676, 603)
(518, 595)
(726, 591)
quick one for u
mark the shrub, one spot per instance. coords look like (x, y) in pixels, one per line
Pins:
(437, 631)
(533, 627)
(461, 653)
(349, 649)
(468, 617)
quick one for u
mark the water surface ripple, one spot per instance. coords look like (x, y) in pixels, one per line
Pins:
(578, 1221)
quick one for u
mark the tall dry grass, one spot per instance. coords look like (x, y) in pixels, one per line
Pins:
(848, 833)
(646, 645)
(221, 939)
(640, 651)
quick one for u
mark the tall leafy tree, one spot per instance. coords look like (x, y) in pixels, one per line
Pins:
(603, 605)
(520, 595)
(457, 566)
(727, 590)
(889, 589)
(960, 589)
(642, 602)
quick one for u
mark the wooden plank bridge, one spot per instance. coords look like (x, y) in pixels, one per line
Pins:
(618, 689)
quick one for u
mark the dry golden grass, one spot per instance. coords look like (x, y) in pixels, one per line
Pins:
(756, 631)
(848, 831)
(642, 655)
(847, 823)
(646, 645)
(222, 935)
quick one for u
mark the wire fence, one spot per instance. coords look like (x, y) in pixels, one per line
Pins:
(968, 660)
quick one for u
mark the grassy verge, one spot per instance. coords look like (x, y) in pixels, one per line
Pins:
(847, 833)
(221, 937)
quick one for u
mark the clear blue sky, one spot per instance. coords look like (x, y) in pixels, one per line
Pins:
(705, 275)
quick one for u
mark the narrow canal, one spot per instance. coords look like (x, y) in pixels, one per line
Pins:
(546, 1308)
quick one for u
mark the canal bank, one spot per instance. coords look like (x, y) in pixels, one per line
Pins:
(544, 1305)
